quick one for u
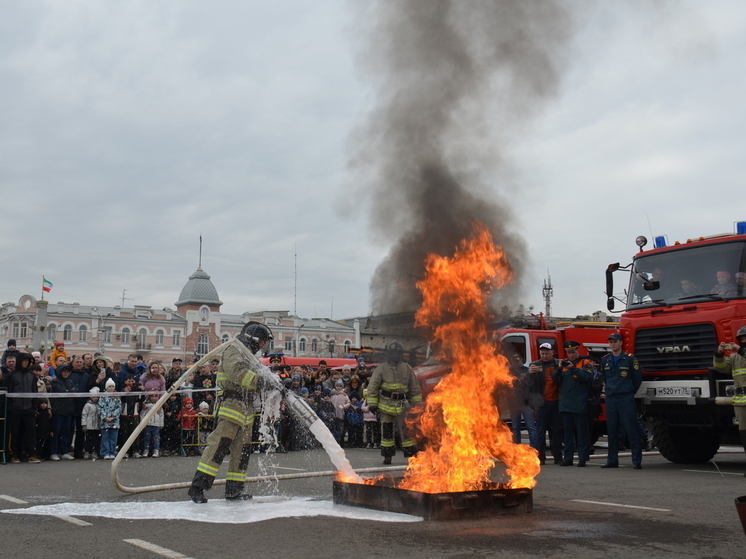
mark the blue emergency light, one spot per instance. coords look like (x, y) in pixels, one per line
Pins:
(660, 241)
(740, 227)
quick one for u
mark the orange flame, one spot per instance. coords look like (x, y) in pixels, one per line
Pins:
(461, 421)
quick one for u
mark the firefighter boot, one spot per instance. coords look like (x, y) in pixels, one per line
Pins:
(234, 491)
(410, 451)
(387, 453)
(387, 442)
(200, 482)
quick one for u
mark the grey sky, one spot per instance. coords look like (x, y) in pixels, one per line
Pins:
(130, 128)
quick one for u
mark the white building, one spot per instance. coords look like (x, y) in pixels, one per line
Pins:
(196, 326)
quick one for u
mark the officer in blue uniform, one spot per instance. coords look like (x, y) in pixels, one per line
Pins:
(622, 377)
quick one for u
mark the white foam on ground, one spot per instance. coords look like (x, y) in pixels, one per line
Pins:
(218, 511)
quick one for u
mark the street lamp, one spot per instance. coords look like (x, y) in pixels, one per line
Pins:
(101, 329)
(297, 335)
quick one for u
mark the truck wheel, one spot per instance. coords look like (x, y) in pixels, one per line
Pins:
(684, 445)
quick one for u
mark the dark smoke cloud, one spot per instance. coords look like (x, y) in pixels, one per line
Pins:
(450, 73)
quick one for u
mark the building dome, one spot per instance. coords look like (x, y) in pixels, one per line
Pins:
(199, 290)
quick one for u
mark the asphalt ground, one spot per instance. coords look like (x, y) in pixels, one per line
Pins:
(663, 510)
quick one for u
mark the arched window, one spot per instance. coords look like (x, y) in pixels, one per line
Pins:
(52, 332)
(348, 345)
(67, 333)
(159, 337)
(83, 333)
(331, 347)
(125, 335)
(142, 338)
(302, 345)
(314, 346)
(203, 346)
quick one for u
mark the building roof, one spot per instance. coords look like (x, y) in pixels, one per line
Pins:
(199, 290)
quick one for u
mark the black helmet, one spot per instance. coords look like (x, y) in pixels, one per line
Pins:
(741, 333)
(253, 333)
(394, 351)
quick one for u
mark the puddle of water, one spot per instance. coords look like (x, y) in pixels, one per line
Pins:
(218, 511)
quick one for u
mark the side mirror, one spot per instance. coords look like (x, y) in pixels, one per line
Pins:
(610, 269)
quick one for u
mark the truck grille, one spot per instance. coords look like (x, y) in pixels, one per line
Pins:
(676, 348)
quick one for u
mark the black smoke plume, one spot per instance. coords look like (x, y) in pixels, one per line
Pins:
(455, 78)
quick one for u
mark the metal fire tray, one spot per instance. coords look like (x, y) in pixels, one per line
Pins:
(494, 501)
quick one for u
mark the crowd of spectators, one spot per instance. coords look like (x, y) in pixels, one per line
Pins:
(95, 424)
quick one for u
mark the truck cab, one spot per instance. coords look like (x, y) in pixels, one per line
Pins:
(682, 301)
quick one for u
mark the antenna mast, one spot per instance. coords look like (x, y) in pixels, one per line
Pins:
(125, 298)
(295, 284)
(548, 291)
(200, 250)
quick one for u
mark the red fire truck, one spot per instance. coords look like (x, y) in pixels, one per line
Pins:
(681, 302)
(592, 337)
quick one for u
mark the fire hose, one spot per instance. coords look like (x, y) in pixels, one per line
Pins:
(298, 406)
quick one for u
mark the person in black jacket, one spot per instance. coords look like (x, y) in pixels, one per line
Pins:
(22, 412)
(63, 415)
(83, 382)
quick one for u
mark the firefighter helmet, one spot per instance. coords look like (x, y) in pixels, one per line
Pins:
(741, 333)
(394, 351)
(253, 333)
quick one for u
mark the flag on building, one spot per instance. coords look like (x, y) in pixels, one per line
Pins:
(46, 285)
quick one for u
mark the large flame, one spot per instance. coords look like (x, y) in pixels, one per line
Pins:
(461, 421)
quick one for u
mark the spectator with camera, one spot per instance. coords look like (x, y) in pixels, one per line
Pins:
(548, 417)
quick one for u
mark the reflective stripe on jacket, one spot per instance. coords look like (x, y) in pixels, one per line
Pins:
(735, 366)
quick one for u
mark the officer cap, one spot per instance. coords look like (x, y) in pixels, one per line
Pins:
(615, 336)
(571, 344)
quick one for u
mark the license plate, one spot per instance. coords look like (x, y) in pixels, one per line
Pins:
(667, 391)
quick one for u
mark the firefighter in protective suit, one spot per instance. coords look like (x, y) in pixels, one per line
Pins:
(393, 389)
(238, 381)
(735, 365)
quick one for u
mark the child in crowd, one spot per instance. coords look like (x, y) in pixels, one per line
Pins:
(341, 402)
(42, 384)
(130, 414)
(326, 412)
(354, 421)
(152, 433)
(188, 421)
(57, 352)
(109, 410)
(91, 425)
(204, 423)
(170, 434)
(372, 426)
(316, 397)
(44, 431)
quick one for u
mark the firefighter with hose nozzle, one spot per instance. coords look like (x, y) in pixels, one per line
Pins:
(735, 366)
(239, 380)
(392, 390)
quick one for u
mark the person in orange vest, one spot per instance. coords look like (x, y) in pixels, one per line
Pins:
(548, 418)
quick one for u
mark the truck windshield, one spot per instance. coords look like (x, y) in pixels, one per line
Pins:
(689, 274)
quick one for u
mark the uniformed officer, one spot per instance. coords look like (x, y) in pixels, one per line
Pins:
(393, 387)
(622, 377)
